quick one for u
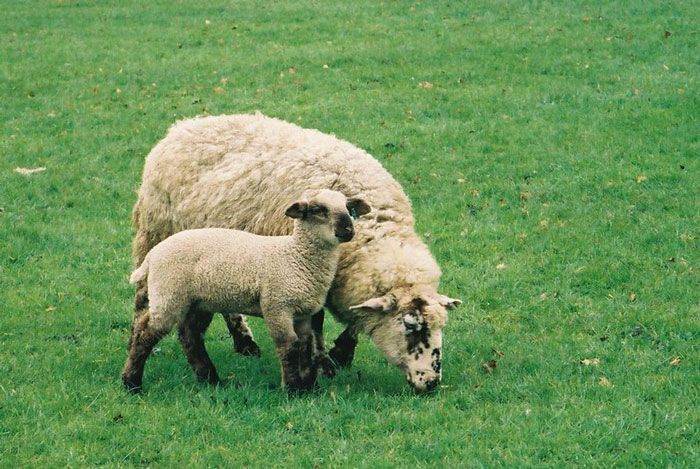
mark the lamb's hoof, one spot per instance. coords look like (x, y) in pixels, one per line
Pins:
(132, 386)
(211, 378)
(302, 383)
(299, 389)
(341, 357)
(327, 366)
(249, 349)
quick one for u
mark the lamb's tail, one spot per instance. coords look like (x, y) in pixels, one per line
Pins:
(140, 273)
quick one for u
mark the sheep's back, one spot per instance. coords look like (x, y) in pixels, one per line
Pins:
(242, 171)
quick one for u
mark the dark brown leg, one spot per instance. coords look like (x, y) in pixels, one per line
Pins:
(299, 365)
(320, 356)
(243, 341)
(344, 350)
(294, 343)
(144, 338)
(191, 335)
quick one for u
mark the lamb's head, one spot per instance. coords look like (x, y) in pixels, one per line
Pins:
(327, 215)
(408, 331)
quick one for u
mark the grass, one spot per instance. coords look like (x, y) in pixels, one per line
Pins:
(551, 150)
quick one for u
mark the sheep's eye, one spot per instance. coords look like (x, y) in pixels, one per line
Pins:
(410, 322)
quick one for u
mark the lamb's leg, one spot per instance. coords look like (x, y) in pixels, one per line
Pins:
(143, 242)
(308, 366)
(191, 335)
(144, 337)
(320, 357)
(243, 341)
(294, 343)
(140, 306)
(344, 350)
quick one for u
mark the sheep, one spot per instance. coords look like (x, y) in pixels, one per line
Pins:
(233, 171)
(285, 279)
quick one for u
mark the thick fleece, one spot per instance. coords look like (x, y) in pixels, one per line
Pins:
(237, 171)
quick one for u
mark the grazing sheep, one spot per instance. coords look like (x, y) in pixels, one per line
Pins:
(234, 171)
(285, 279)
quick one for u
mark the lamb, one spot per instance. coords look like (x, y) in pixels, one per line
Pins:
(234, 171)
(285, 279)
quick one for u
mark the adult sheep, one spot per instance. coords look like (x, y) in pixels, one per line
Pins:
(237, 171)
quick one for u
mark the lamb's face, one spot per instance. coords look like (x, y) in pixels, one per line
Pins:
(329, 214)
(409, 335)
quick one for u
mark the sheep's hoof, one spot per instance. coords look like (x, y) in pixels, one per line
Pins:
(249, 349)
(327, 366)
(341, 357)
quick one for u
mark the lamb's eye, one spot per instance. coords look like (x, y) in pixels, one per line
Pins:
(318, 210)
(410, 322)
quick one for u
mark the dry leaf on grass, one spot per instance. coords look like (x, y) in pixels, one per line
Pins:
(641, 178)
(426, 84)
(603, 381)
(490, 365)
(289, 425)
(498, 352)
(28, 171)
(501, 266)
(590, 362)
(676, 361)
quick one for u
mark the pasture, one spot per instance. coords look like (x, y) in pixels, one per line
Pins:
(551, 151)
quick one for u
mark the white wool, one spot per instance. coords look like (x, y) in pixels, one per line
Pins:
(240, 171)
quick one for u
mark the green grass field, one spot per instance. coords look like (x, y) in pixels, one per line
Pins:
(552, 154)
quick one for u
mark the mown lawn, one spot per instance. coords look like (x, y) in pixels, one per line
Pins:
(552, 154)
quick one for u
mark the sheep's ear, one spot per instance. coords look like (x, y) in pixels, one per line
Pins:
(297, 209)
(448, 303)
(380, 304)
(359, 206)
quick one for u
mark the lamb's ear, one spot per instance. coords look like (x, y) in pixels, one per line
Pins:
(381, 304)
(359, 206)
(448, 303)
(297, 209)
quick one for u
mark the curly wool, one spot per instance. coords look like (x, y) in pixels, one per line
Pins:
(208, 172)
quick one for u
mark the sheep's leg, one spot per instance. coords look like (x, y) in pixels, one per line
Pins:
(321, 358)
(294, 343)
(144, 337)
(344, 350)
(191, 335)
(243, 341)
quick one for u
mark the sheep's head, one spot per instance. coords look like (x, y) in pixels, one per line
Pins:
(328, 214)
(409, 334)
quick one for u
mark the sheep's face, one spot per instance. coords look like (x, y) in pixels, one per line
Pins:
(410, 336)
(328, 214)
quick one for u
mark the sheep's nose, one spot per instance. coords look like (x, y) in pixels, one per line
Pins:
(430, 385)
